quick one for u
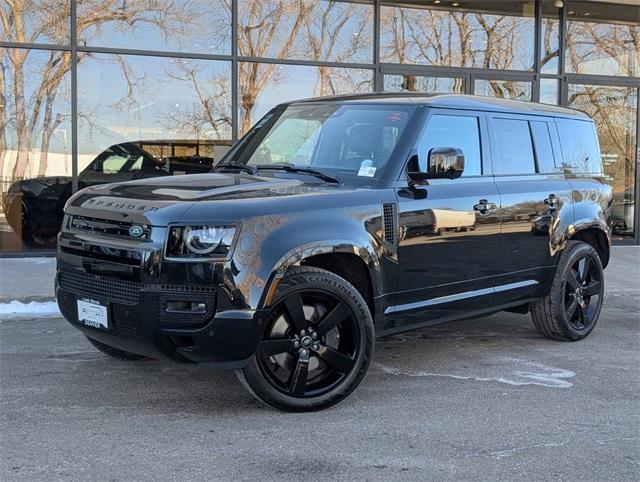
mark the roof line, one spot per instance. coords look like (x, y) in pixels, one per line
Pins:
(457, 101)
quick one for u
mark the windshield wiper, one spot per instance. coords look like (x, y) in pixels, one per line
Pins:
(234, 167)
(304, 170)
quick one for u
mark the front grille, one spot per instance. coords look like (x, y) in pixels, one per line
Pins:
(101, 287)
(128, 293)
(107, 227)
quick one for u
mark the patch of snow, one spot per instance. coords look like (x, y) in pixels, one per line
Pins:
(500, 454)
(533, 374)
(41, 260)
(39, 308)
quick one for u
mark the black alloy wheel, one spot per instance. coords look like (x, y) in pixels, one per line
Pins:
(583, 292)
(316, 346)
(312, 344)
(571, 309)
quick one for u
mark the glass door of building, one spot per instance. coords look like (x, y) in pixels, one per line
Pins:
(614, 109)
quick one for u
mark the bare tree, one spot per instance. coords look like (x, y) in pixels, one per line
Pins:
(266, 29)
(592, 47)
(322, 28)
(454, 39)
(3, 113)
(212, 108)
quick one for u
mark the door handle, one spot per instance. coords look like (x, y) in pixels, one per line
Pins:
(551, 201)
(484, 206)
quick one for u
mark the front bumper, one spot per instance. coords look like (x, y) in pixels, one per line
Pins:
(227, 339)
(141, 292)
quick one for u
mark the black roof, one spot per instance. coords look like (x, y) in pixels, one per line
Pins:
(451, 101)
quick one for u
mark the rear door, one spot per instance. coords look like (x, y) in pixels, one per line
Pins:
(534, 195)
(449, 228)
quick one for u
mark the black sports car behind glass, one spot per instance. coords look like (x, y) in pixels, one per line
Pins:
(33, 207)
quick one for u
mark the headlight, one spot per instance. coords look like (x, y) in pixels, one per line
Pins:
(199, 241)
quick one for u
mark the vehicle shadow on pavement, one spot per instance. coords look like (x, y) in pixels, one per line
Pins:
(170, 388)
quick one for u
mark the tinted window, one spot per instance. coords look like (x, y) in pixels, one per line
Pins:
(114, 163)
(460, 132)
(579, 146)
(542, 144)
(515, 150)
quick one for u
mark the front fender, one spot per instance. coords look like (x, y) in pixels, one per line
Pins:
(368, 253)
(268, 246)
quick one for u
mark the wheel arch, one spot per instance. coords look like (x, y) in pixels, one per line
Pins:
(356, 263)
(349, 266)
(594, 232)
(598, 238)
(590, 223)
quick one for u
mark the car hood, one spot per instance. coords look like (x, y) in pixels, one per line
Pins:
(159, 201)
(37, 184)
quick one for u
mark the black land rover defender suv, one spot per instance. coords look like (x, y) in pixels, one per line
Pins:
(338, 220)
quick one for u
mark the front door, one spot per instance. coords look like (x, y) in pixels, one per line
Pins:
(449, 228)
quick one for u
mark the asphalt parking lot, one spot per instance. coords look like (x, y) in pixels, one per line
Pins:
(480, 399)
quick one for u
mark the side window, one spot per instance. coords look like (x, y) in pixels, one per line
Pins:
(515, 150)
(542, 144)
(113, 164)
(579, 146)
(137, 165)
(461, 132)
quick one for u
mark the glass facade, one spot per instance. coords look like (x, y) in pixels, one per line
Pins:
(94, 92)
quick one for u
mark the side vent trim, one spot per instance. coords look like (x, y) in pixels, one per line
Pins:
(390, 227)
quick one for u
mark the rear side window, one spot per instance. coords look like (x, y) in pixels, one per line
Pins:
(542, 144)
(579, 144)
(515, 149)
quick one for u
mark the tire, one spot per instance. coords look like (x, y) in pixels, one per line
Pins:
(317, 343)
(114, 352)
(16, 216)
(571, 309)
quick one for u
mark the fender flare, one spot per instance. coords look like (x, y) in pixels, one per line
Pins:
(579, 226)
(367, 253)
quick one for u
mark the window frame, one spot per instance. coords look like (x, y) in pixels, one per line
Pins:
(554, 142)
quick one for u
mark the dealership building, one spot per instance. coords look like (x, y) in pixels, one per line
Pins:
(102, 91)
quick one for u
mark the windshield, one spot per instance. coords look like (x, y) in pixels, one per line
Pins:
(346, 141)
(118, 158)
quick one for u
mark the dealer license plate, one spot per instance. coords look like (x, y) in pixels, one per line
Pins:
(93, 314)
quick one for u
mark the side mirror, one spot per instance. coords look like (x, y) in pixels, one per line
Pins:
(442, 162)
(445, 162)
